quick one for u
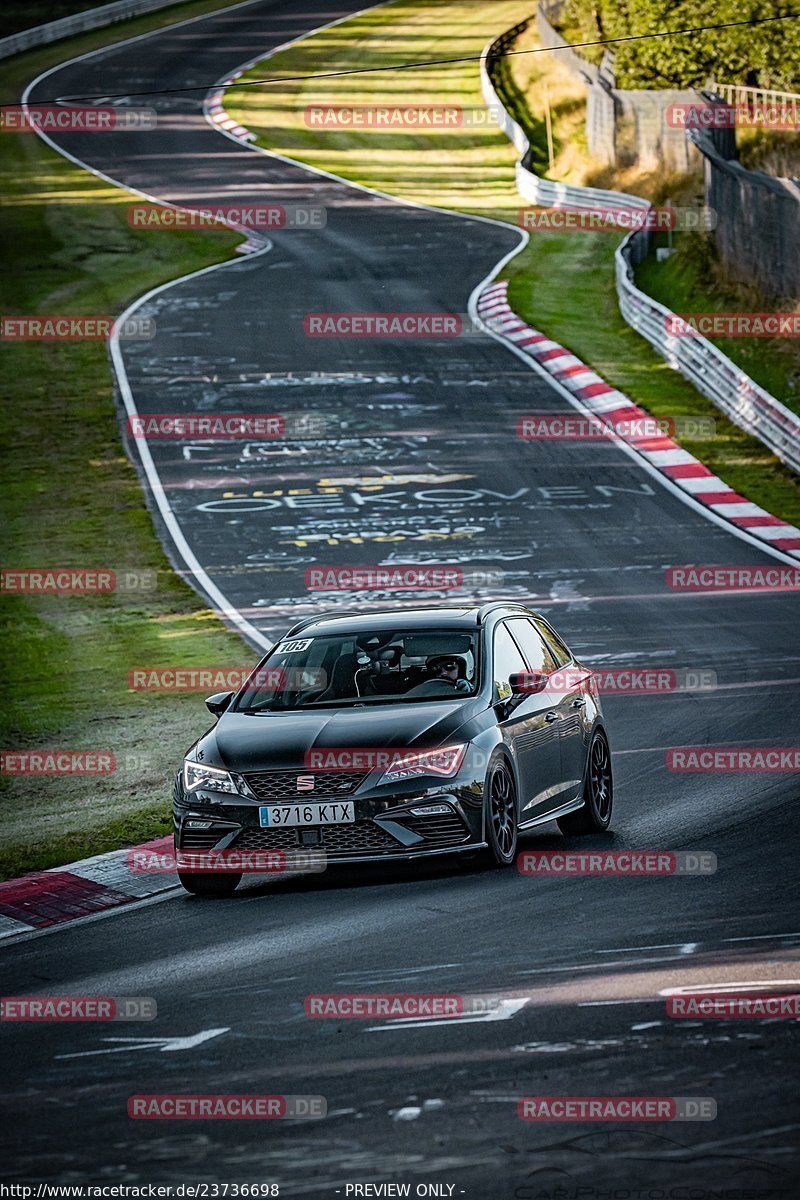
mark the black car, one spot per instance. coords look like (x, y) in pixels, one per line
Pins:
(397, 735)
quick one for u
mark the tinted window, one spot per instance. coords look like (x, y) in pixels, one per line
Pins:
(507, 659)
(538, 654)
(383, 666)
(558, 649)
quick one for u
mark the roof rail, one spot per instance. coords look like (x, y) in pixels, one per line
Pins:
(485, 609)
(330, 616)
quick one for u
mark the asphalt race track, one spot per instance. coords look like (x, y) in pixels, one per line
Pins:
(581, 532)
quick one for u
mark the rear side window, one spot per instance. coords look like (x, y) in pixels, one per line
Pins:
(558, 649)
(507, 659)
(539, 655)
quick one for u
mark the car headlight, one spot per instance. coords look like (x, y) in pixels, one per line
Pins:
(197, 775)
(444, 763)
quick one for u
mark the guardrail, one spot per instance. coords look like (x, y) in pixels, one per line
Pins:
(547, 193)
(742, 400)
(90, 18)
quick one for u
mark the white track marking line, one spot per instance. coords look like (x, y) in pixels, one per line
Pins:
(217, 597)
(164, 1044)
(757, 937)
(504, 1011)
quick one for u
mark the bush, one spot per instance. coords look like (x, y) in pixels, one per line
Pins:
(760, 55)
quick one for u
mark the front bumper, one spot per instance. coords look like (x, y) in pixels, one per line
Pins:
(387, 826)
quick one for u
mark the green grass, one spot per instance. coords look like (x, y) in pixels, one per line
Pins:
(582, 313)
(562, 283)
(469, 168)
(691, 280)
(71, 498)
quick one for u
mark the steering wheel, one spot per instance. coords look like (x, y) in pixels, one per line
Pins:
(431, 687)
(458, 685)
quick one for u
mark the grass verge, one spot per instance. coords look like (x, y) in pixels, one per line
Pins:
(562, 283)
(692, 280)
(72, 499)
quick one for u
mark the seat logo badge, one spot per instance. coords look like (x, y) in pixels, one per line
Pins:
(305, 783)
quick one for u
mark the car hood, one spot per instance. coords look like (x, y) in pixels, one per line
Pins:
(265, 741)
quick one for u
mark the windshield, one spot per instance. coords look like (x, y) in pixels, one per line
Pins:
(388, 666)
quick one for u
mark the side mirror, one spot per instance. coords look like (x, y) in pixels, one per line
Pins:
(217, 703)
(528, 683)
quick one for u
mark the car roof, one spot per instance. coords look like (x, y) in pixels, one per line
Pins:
(446, 616)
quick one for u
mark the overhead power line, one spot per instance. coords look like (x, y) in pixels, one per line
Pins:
(418, 66)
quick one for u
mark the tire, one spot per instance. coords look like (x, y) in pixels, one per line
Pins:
(501, 813)
(598, 793)
(209, 885)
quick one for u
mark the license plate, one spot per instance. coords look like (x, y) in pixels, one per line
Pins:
(335, 813)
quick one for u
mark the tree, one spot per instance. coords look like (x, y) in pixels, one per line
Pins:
(766, 55)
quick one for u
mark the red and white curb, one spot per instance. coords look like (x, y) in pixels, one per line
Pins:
(45, 899)
(216, 111)
(613, 407)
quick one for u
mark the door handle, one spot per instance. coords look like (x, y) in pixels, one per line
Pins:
(550, 717)
(579, 702)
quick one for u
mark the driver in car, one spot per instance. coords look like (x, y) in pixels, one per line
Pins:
(450, 667)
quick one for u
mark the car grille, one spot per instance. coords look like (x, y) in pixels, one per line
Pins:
(282, 785)
(438, 829)
(361, 837)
